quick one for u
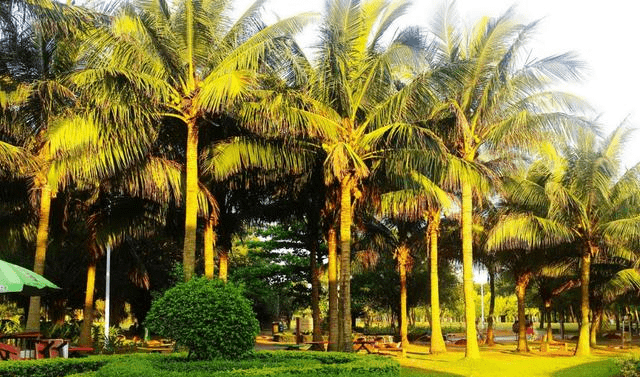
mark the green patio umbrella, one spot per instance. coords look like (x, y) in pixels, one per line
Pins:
(14, 278)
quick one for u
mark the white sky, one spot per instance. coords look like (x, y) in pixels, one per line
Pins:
(605, 34)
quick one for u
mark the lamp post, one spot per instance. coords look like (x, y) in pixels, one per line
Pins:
(107, 297)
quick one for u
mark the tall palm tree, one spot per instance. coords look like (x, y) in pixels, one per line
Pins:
(503, 103)
(356, 105)
(199, 62)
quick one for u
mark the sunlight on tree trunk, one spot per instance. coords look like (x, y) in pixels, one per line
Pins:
(209, 245)
(403, 255)
(224, 262)
(521, 287)
(333, 290)
(191, 201)
(42, 237)
(87, 313)
(583, 349)
(492, 307)
(437, 341)
(345, 263)
(472, 350)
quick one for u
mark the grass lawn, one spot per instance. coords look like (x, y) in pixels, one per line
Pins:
(502, 361)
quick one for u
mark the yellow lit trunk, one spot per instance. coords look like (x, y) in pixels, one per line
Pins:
(224, 262)
(345, 263)
(191, 201)
(437, 341)
(521, 287)
(403, 254)
(333, 290)
(583, 348)
(87, 313)
(472, 350)
(33, 318)
(209, 244)
(492, 306)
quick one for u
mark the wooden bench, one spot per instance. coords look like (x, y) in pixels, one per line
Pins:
(545, 347)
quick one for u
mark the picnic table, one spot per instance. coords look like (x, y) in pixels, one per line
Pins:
(367, 345)
(31, 345)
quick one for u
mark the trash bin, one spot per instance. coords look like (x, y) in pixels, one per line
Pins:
(275, 328)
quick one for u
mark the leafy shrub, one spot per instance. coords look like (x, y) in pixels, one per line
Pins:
(629, 367)
(262, 364)
(211, 318)
(52, 367)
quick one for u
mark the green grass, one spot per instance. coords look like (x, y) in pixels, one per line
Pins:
(504, 362)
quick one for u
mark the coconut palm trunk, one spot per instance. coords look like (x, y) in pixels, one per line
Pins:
(492, 306)
(583, 349)
(332, 272)
(403, 255)
(595, 324)
(87, 313)
(472, 350)
(191, 201)
(345, 261)
(437, 341)
(547, 306)
(522, 282)
(209, 244)
(42, 236)
(315, 286)
(224, 263)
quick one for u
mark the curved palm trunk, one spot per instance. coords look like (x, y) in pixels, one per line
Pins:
(224, 262)
(403, 255)
(191, 201)
(33, 318)
(345, 262)
(583, 349)
(472, 350)
(87, 313)
(522, 282)
(437, 342)
(595, 324)
(333, 290)
(209, 244)
(492, 306)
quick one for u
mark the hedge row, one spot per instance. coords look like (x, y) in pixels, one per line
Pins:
(263, 364)
(53, 367)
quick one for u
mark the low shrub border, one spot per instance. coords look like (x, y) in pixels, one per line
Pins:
(260, 364)
(53, 367)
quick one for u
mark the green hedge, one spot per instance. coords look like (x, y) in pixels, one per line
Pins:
(52, 367)
(263, 364)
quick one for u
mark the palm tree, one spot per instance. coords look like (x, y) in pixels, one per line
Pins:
(356, 105)
(587, 203)
(199, 66)
(501, 105)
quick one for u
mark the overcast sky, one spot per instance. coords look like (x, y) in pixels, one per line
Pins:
(605, 34)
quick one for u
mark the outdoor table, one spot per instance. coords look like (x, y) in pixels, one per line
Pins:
(362, 344)
(27, 342)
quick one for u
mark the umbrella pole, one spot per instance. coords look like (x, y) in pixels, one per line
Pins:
(107, 299)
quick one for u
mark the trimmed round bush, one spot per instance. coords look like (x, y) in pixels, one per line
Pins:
(212, 318)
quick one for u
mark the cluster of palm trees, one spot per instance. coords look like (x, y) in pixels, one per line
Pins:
(152, 108)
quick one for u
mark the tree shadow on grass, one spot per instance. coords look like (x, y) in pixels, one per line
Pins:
(418, 372)
(602, 368)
